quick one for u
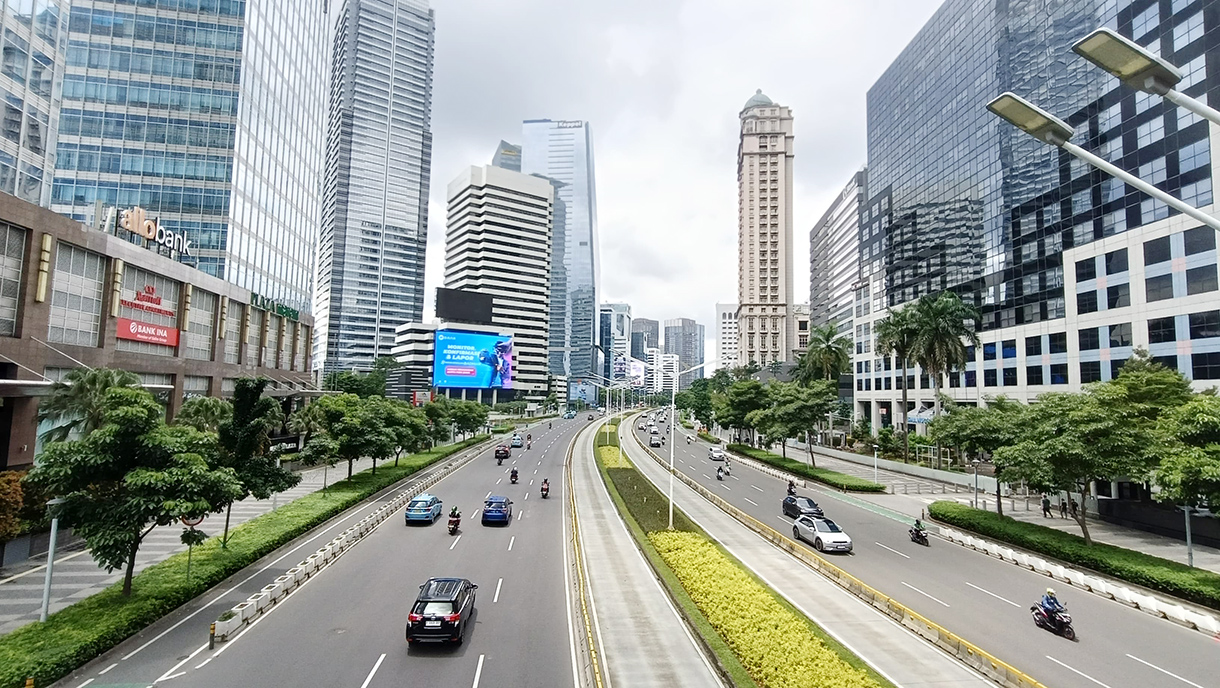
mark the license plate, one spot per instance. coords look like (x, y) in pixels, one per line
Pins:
(432, 624)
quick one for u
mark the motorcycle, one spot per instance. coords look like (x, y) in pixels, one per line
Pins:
(1057, 622)
(513, 477)
(720, 474)
(919, 536)
(546, 490)
(688, 439)
(454, 522)
(499, 460)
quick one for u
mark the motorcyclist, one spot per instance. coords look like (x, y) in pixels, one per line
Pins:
(1051, 604)
(720, 472)
(513, 475)
(549, 425)
(918, 526)
(791, 488)
(546, 485)
(688, 439)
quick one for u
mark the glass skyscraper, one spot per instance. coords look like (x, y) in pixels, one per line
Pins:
(375, 203)
(204, 113)
(33, 43)
(563, 152)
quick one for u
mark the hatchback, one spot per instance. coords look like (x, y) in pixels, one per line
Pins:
(441, 611)
(825, 534)
(497, 509)
(801, 506)
(424, 507)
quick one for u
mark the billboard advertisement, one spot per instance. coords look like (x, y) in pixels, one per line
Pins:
(635, 372)
(619, 368)
(473, 360)
(583, 390)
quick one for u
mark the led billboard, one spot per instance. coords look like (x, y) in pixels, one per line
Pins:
(473, 360)
(635, 368)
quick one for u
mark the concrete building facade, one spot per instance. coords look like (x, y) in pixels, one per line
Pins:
(834, 257)
(726, 335)
(684, 339)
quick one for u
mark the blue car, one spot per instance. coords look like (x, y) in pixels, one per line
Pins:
(517, 441)
(424, 507)
(497, 509)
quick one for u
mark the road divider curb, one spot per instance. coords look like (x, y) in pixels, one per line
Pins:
(973, 656)
(581, 579)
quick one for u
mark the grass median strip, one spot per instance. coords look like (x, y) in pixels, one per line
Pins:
(833, 478)
(75, 635)
(1196, 585)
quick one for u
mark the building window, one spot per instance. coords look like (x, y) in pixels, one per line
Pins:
(1059, 373)
(989, 378)
(1009, 348)
(989, 351)
(1120, 335)
(1158, 288)
(201, 330)
(1118, 296)
(236, 312)
(1156, 251)
(1193, 156)
(1090, 371)
(1089, 339)
(1058, 342)
(1201, 280)
(1116, 367)
(1146, 21)
(1086, 269)
(1033, 346)
(12, 256)
(1199, 239)
(1162, 330)
(1010, 377)
(1170, 362)
(76, 296)
(195, 386)
(1204, 325)
(1149, 132)
(1205, 366)
(1188, 31)
(1033, 375)
(1116, 261)
(971, 378)
(1086, 302)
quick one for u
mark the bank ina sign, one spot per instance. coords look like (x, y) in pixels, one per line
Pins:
(136, 221)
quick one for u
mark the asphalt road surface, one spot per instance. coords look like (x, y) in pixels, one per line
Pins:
(346, 625)
(978, 597)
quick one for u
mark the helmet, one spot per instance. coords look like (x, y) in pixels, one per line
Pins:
(1050, 591)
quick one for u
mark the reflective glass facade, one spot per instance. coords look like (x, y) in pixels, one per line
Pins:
(33, 45)
(375, 200)
(563, 152)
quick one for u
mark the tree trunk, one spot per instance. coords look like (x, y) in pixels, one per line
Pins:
(783, 447)
(224, 540)
(396, 455)
(131, 567)
(1080, 519)
(809, 446)
(374, 465)
(906, 443)
(999, 501)
(349, 467)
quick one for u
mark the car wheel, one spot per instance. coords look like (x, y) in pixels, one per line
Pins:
(460, 634)
(796, 534)
(817, 544)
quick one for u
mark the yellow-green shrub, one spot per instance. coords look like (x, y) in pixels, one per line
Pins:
(609, 457)
(775, 645)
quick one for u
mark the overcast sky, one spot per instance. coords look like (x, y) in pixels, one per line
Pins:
(662, 82)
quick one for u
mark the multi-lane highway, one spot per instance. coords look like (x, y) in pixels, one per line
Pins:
(981, 598)
(345, 626)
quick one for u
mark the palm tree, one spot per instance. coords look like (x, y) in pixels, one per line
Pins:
(306, 421)
(775, 368)
(944, 326)
(896, 334)
(204, 413)
(828, 355)
(77, 404)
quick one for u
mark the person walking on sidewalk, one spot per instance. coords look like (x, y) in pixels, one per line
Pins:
(1073, 508)
(1063, 508)
(1046, 506)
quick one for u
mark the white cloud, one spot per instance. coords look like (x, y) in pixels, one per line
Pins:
(662, 82)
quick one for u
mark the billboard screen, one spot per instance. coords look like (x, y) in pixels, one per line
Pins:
(635, 372)
(463, 306)
(619, 369)
(584, 390)
(473, 360)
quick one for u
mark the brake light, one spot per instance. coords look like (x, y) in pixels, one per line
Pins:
(415, 617)
(453, 617)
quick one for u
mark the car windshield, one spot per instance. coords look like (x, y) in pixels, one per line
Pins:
(494, 506)
(806, 503)
(828, 527)
(419, 504)
(434, 608)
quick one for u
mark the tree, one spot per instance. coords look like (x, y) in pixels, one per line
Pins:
(438, 412)
(204, 413)
(775, 368)
(720, 380)
(11, 500)
(1151, 389)
(735, 406)
(244, 442)
(77, 403)
(828, 355)
(980, 431)
(943, 325)
(896, 334)
(468, 416)
(698, 400)
(306, 421)
(408, 427)
(352, 428)
(1189, 470)
(131, 474)
(793, 409)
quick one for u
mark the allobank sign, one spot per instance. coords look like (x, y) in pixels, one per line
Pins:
(136, 221)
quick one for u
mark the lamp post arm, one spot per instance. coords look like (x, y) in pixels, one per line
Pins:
(1194, 105)
(1141, 185)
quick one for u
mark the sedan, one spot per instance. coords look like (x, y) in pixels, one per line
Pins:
(652, 430)
(442, 610)
(654, 441)
(801, 506)
(825, 534)
(497, 509)
(517, 442)
(424, 507)
(715, 454)
(641, 426)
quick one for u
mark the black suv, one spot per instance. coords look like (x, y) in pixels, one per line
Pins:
(801, 506)
(503, 452)
(441, 611)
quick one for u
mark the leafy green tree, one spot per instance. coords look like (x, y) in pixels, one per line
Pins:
(775, 368)
(1189, 470)
(408, 426)
(11, 501)
(944, 325)
(130, 475)
(980, 431)
(828, 355)
(204, 413)
(245, 443)
(439, 415)
(352, 428)
(468, 416)
(77, 404)
(734, 407)
(1151, 389)
(793, 409)
(698, 400)
(720, 380)
(896, 335)
(306, 421)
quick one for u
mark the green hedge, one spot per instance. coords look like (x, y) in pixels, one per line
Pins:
(822, 475)
(647, 505)
(607, 436)
(708, 438)
(1196, 585)
(75, 635)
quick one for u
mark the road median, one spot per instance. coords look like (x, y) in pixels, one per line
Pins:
(835, 479)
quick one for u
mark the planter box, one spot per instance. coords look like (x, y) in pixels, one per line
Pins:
(260, 600)
(299, 574)
(246, 610)
(313, 562)
(286, 582)
(273, 592)
(226, 628)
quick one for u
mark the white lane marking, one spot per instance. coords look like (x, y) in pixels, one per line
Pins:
(376, 666)
(164, 677)
(532, 480)
(180, 673)
(477, 673)
(751, 501)
(921, 592)
(705, 475)
(41, 567)
(103, 671)
(785, 520)
(527, 495)
(726, 487)
(535, 471)
(1077, 671)
(497, 597)
(511, 540)
(891, 549)
(488, 495)
(85, 683)
(204, 662)
(757, 488)
(539, 463)
(498, 481)
(459, 539)
(1167, 673)
(1003, 599)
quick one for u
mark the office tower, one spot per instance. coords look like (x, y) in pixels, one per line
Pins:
(726, 335)
(800, 321)
(562, 151)
(639, 342)
(650, 335)
(1071, 269)
(684, 339)
(32, 49)
(375, 198)
(615, 338)
(652, 369)
(508, 156)
(499, 218)
(605, 342)
(208, 116)
(834, 258)
(764, 234)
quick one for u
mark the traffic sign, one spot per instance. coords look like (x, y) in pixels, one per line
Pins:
(191, 522)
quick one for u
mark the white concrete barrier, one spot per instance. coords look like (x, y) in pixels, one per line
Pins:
(245, 610)
(273, 591)
(228, 626)
(287, 582)
(260, 600)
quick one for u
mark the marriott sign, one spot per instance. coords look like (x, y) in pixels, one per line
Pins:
(136, 221)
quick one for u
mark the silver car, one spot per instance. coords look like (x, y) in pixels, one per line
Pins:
(823, 533)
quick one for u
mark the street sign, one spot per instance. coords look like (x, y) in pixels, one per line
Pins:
(191, 522)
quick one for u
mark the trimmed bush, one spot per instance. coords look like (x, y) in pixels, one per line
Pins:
(610, 458)
(775, 645)
(822, 475)
(75, 635)
(708, 438)
(647, 505)
(1196, 585)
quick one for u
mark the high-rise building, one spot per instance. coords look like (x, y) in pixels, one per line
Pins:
(1070, 268)
(800, 322)
(726, 335)
(684, 339)
(375, 199)
(650, 328)
(33, 61)
(207, 116)
(834, 258)
(764, 234)
(618, 346)
(562, 151)
(497, 217)
(508, 156)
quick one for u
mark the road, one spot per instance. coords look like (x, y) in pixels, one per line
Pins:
(345, 626)
(981, 598)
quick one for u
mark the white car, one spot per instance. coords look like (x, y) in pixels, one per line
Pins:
(641, 426)
(823, 533)
(652, 430)
(715, 454)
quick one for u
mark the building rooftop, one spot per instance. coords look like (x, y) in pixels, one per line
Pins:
(757, 99)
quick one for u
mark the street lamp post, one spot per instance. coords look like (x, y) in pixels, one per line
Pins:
(46, 585)
(975, 497)
(875, 448)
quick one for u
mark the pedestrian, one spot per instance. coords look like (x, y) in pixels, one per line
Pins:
(1073, 508)
(1046, 506)
(1063, 508)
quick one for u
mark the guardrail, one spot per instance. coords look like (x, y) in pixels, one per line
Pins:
(581, 581)
(969, 653)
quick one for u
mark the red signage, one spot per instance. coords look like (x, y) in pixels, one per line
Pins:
(145, 332)
(147, 300)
